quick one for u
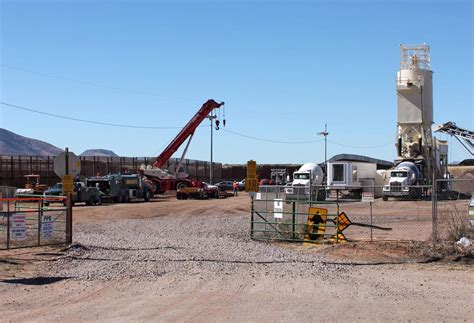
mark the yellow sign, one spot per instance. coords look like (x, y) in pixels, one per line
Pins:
(68, 184)
(316, 224)
(343, 221)
(251, 168)
(251, 182)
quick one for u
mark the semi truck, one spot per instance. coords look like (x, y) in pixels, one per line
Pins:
(121, 188)
(306, 184)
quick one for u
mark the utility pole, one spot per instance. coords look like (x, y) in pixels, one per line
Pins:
(211, 117)
(325, 133)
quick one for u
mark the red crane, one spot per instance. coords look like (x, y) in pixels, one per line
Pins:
(165, 181)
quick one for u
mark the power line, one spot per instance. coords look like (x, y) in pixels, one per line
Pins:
(88, 83)
(84, 120)
(271, 140)
(358, 147)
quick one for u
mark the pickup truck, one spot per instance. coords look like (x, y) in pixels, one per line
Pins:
(202, 192)
(81, 193)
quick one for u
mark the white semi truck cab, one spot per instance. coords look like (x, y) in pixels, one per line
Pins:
(405, 181)
(306, 183)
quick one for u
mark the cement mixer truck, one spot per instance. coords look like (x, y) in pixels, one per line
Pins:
(306, 184)
(405, 181)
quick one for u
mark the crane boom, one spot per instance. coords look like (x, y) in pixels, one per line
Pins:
(186, 132)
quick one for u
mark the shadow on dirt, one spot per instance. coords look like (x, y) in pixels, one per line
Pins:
(34, 280)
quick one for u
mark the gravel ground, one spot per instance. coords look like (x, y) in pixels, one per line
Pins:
(203, 245)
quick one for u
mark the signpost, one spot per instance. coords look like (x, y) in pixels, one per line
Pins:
(67, 163)
(369, 197)
(251, 182)
(67, 166)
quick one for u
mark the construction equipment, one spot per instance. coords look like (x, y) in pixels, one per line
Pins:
(306, 183)
(32, 185)
(464, 136)
(121, 188)
(165, 180)
(416, 147)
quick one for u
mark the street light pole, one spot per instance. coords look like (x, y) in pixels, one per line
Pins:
(325, 133)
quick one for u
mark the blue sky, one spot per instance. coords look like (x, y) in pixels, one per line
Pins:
(283, 68)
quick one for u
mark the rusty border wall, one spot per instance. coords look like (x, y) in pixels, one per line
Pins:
(14, 168)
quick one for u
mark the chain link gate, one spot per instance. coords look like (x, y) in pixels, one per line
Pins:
(27, 222)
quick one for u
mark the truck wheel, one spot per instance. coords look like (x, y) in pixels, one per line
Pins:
(91, 201)
(147, 196)
(385, 198)
(181, 185)
(125, 198)
(46, 203)
(118, 198)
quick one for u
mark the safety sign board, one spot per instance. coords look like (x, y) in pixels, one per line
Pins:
(251, 181)
(368, 197)
(68, 184)
(47, 226)
(278, 208)
(18, 226)
(316, 224)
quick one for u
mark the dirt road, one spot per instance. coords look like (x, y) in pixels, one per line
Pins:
(173, 260)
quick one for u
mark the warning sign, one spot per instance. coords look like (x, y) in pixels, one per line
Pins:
(316, 224)
(47, 226)
(68, 184)
(18, 226)
(278, 208)
(368, 197)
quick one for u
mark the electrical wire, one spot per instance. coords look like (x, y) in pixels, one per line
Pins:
(359, 147)
(114, 88)
(86, 121)
(271, 140)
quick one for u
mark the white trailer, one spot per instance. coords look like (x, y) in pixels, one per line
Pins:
(355, 177)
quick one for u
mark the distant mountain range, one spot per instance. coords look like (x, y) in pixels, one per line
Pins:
(12, 144)
(99, 152)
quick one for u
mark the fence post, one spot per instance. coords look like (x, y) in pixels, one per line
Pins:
(12, 172)
(68, 218)
(39, 223)
(434, 210)
(251, 217)
(293, 230)
(8, 224)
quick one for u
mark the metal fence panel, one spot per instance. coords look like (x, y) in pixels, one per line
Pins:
(451, 209)
(407, 218)
(26, 222)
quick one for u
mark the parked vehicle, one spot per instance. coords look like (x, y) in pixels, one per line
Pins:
(306, 184)
(32, 185)
(81, 193)
(354, 177)
(225, 185)
(121, 188)
(405, 181)
(242, 185)
(203, 192)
